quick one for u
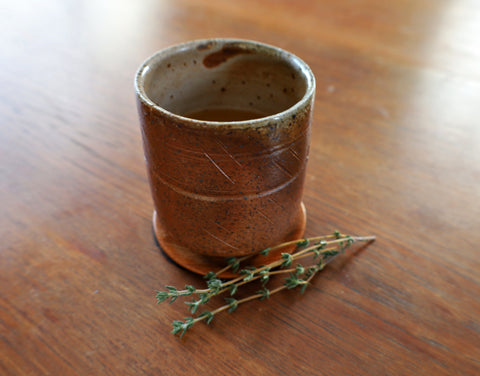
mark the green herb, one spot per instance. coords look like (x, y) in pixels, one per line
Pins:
(323, 249)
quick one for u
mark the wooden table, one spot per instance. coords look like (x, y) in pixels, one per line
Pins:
(395, 153)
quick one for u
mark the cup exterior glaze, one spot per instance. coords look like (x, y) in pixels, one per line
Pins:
(225, 189)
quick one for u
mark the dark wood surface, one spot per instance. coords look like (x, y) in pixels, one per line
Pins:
(395, 152)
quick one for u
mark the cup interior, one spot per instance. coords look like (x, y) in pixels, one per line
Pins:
(246, 79)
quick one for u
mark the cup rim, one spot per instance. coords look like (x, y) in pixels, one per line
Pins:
(285, 55)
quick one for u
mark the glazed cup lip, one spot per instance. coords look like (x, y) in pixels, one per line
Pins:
(293, 60)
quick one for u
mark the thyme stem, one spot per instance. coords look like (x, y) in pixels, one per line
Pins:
(323, 248)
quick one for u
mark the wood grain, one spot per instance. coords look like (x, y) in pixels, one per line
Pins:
(395, 152)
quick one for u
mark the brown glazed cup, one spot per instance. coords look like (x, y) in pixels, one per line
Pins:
(229, 185)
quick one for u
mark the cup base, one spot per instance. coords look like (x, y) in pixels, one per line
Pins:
(202, 264)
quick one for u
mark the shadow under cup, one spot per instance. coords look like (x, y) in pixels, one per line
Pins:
(226, 127)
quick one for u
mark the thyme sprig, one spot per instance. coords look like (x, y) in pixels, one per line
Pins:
(321, 250)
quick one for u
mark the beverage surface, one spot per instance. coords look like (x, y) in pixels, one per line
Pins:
(224, 114)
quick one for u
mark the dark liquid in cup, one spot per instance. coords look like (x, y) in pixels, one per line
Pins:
(224, 114)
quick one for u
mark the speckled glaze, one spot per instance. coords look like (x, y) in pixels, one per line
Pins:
(225, 188)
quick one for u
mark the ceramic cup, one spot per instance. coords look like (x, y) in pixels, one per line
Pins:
(226, 128)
